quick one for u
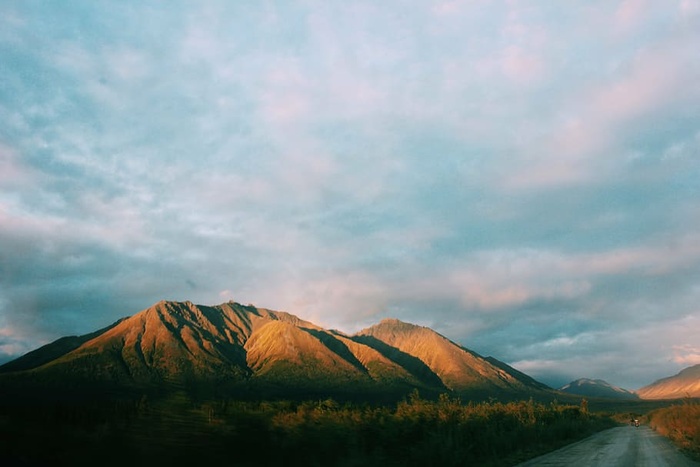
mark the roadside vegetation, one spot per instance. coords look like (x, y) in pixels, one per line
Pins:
(413, 431)
(681, 424)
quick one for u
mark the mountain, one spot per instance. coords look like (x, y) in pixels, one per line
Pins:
(236, 349)
(597, 388)
(684, 384)
(50, 352)
(431, 354)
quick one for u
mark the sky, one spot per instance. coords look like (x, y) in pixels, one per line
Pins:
(521, 176)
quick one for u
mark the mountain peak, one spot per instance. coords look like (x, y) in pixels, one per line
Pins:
(396, 324)
(597, 388)
(250, 349)
(390, 321)
(456, 367)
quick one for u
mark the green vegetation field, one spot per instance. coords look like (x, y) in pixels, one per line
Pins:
(414, 431)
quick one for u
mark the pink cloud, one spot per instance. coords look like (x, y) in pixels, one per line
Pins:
(658, 259)
(689, 7)
(446, 8)
(286, 93)
(499, 279)
(521, 66)
(652, 83)
(14, 173)
(629, 15)
(499, 289)
(15, 341)
(686, 355)
(338, 300)
(286, 106)
(594, 124)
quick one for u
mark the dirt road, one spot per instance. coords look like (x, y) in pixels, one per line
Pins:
(625, 446)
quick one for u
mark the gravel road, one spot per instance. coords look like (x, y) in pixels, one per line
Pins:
(625, 446)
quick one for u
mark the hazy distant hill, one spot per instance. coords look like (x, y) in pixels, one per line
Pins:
(231, 347)
(597, 388)
(684, 384)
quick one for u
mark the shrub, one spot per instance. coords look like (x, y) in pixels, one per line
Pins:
(413, 432)
(681, 424)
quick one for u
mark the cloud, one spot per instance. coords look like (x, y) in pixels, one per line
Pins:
(520, 66)
(13, 343)
(689, 7)
(630, 14)
(495, 170)
(12, 172)
(686, 355)
(657, 355)
(499, 279)
(605, 115)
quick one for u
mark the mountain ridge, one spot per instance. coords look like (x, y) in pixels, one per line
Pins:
(597, 388)
(457, 368)
(233, 346)
(685, 383)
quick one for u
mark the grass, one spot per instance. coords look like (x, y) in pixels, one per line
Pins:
(681, 424)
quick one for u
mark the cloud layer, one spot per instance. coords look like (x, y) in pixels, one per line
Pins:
(521, 177)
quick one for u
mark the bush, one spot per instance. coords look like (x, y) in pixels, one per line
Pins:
(413, 432)
(420, 432)
(681, 424)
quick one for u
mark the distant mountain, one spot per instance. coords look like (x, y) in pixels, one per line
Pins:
(684, 384)
(236, 349)
(597, 388)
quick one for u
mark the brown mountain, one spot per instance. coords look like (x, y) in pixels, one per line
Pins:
(456, 367)
(231, 347)
(684, 384)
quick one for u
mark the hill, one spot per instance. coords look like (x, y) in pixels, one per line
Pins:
(597, 388)
(684, 384)
(231, 349)
(433, 355)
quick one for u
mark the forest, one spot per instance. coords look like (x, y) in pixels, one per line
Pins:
(413, 431)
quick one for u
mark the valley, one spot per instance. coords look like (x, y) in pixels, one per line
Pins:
(183, 382)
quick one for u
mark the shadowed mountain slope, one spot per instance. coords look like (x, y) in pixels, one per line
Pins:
(684, 384)
(231, 346)
(597, 388)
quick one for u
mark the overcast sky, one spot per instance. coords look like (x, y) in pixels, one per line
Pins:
(521, 176)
